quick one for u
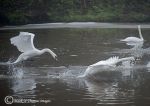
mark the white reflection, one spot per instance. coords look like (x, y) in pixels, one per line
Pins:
(23, 85)
(109, 93)
(127, 68)
(19, 81)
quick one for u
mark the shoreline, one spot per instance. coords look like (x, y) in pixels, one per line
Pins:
(76, 25)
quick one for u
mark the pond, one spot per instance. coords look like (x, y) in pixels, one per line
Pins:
(57, 82)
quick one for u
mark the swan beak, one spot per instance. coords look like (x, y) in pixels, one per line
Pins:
(56, 58)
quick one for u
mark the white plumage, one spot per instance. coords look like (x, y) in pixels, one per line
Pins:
(135, 39)
(111, 62)
(24, 43)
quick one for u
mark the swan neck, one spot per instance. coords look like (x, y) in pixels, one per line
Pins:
(140, 33)
(50, 52)
(45, 50)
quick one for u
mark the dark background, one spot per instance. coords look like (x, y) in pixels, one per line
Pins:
(14, 12)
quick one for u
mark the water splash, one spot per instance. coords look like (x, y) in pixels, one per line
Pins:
(9, 62)
(90, 71)
(127, 64)
(18, 73)
(73, 72)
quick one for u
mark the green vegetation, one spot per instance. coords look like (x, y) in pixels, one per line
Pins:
(40, 11)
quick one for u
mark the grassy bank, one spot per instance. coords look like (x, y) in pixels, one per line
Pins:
(41, 11)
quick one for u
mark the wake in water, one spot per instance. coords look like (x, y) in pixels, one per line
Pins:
(6, 63)
(12, 70)
(70, 72)
(13, 73)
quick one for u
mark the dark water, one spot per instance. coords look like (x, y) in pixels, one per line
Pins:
(43, 78)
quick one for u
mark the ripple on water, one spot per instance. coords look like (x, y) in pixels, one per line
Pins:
(108, 94)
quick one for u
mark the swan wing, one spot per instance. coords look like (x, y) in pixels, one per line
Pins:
(111, 61)
(23, 42)
(114, 60)
(126, 59)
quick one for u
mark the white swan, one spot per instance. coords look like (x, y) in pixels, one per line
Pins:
(111, 62)
(135, 39)
(24, 43)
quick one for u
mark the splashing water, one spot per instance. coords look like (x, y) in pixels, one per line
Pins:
(73, 72)
(127, 64)
(18, 73)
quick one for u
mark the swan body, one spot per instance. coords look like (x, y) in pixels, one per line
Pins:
(109, 63)
(24, 43)
(135, 39)
(132, 39)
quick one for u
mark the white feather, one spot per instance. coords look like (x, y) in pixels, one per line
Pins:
(111, 62)
(23, 42)
(135, 39)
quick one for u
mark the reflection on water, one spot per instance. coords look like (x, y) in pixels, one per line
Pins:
(109, 93)
(44, 78)
(23, 86)
(120, 87)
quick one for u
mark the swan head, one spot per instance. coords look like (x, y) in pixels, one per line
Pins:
(50, 52)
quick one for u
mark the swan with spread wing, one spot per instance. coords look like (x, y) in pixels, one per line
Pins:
(110, 62)
(24, 43)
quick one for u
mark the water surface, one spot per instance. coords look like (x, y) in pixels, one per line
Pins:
(44, 78)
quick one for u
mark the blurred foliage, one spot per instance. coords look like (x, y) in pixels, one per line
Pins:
(40, 11)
